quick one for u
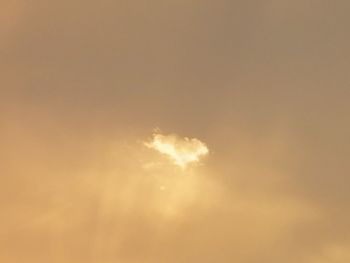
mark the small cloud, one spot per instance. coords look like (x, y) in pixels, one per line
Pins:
(181, 151)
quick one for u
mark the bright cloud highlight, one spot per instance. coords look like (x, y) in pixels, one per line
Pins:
(181, 151)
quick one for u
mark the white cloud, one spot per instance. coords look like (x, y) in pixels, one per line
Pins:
(181, 151)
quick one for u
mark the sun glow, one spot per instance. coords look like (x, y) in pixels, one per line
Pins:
(181, 151)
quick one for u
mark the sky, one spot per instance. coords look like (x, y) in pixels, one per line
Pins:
(87, 87)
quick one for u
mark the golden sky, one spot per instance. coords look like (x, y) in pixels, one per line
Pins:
(174, 131)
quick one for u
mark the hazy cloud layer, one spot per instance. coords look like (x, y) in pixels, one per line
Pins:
(264, 84)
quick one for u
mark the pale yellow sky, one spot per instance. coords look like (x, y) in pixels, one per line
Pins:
(263, 84)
